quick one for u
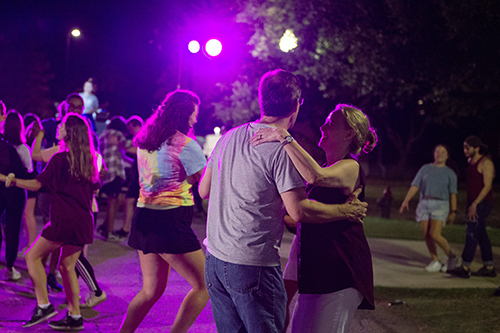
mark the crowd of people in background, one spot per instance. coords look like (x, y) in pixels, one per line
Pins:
(61, 167)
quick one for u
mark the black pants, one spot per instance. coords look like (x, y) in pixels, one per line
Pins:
(13, 217)
(476, 234)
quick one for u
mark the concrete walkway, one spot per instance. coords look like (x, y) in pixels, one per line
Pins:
(397, 263)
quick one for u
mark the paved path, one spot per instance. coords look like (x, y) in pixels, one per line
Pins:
(396, 263)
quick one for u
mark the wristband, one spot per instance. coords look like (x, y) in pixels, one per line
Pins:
(454, 211)
(287, 139)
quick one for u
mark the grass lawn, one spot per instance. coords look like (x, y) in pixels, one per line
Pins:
(433, 310)
(444, 310)
(377, 227)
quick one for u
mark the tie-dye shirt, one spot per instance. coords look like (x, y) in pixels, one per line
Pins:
(163, 173)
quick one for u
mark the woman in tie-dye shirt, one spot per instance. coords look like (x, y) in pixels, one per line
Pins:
(169, 163)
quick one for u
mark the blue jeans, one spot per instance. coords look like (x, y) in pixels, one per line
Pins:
(476, 233)
(245, 298)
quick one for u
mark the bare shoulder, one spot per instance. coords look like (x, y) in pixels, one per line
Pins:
(485, 165)
(346, 164)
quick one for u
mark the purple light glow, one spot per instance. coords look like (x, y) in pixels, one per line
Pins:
(213, 47)
(194, 46)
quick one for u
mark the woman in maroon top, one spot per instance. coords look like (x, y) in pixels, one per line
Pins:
(71, 178)
(335, 274)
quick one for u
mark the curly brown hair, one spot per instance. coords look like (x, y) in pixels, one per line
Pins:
(171, 116)
(80, 148)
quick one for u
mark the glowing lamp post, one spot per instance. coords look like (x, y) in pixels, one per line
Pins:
(288, 41)
(75, 33)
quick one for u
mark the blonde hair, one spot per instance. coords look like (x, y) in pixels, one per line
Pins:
(365, 138)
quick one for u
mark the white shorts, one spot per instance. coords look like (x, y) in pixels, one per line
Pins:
(291, 268)
(428, 209)
(326, 312)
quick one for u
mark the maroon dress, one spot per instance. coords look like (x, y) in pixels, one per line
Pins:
(335, 255)
(71, 219)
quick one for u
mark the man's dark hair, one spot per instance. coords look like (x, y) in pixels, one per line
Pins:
(73, 95)
(118, 123)
(135, 121)
(475, 141)
(279, 92)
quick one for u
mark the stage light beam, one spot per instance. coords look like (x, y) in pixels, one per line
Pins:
(194, 46)
(213, 47)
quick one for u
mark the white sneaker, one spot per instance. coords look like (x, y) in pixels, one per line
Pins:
(12, 275)
(434, 266)
(93, 300)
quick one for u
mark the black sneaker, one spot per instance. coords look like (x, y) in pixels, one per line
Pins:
(485, 272)
(67, 324)
(497, 292)
(121, 233)
(40, 315)
(103, 231)
(52, 284)
(460, 272)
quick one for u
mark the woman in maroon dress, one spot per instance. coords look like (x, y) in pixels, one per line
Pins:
(335, 274)
(71, 178)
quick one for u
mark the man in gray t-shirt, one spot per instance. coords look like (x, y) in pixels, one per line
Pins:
(250, 188)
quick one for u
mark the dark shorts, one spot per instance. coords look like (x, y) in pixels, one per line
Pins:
(133, 186)
(163, 231)
(114, 188)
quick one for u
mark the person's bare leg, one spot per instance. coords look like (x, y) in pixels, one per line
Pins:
(190, 266)
(40, 248)
(111, 216)
(69, 256)
(30, 220)
(435, 232)
(155, 272)
(129, 212)
(54, 261)
(429, 241)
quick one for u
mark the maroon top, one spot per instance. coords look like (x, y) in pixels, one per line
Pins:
(335, 255)
(475, 184)
(71, 218)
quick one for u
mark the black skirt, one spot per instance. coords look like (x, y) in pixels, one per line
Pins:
(163, 231)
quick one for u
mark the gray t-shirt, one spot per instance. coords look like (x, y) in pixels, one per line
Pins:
(245, 213)
(435, 182)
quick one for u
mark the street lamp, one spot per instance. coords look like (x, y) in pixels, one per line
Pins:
(73, 33)
(288, 41)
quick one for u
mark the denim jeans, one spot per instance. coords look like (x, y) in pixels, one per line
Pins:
(476, 233)
(245, 298)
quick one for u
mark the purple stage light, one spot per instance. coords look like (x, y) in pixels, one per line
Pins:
(194, 46)
(213, 47)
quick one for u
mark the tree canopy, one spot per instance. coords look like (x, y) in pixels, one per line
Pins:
(408, 64)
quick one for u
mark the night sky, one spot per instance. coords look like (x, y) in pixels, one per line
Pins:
(130, 48)
(124, 46)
